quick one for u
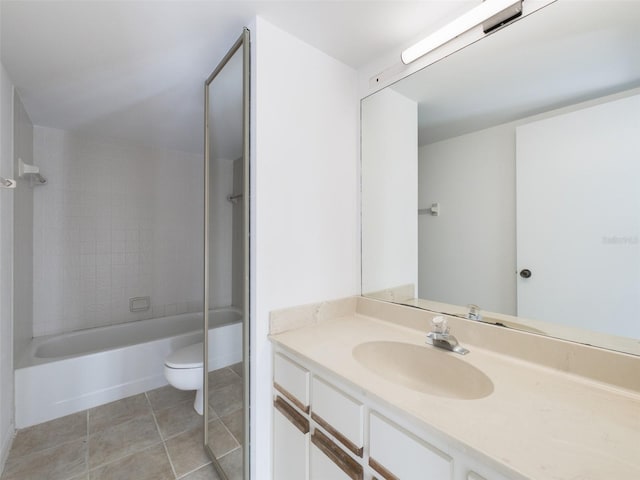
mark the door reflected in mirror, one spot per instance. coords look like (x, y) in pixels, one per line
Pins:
(528, 143)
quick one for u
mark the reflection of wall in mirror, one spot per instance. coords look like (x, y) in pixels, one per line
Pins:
(468, 254)
(389, 191)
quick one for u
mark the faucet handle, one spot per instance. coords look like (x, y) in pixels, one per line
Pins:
(439, 325)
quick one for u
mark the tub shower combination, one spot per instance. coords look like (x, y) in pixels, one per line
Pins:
(63, 374)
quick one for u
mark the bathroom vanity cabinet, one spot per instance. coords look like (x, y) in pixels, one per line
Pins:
(326, 428)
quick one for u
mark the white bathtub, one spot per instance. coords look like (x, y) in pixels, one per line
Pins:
(64, 374)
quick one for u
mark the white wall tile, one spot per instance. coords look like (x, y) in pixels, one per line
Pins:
(109, 226)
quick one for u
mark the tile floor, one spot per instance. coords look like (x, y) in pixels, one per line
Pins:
(151, 436)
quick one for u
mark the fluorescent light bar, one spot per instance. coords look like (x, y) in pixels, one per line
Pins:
(474, 17)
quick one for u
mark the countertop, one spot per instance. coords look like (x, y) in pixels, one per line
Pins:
(538, 422)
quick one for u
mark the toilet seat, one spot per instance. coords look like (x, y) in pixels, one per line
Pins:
(187, 357)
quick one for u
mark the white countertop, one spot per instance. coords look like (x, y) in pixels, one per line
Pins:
(538, 422)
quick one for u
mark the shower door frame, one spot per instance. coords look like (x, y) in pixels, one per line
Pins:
(244, 43)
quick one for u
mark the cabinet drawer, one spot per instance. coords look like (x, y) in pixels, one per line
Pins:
(339, 414)
(292, 381)
(396, 454)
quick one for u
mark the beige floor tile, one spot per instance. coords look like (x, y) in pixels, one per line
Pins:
(226, 399)
(222, 377)
(237, 368)
(149, 464)
(205, 473)
(168, 396)
(231, 463)
(117, 412)
(49, 434)
(221, 441)
(121, 440)
(186, 451)
(178, 419)
(235, 423)
(57, 463)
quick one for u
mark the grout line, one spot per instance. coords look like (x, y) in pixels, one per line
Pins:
(164, 443)
(166, 451)
(227, 429)
(186, 474)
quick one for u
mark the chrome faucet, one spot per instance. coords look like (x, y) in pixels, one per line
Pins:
(474, 312)
(439, 337)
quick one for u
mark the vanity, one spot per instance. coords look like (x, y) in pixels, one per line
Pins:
(358, 394)
(505, 176)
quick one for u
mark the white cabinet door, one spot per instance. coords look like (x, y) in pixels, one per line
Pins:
(290, 443)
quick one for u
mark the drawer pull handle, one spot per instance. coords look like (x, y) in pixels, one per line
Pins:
(292, 415)
(291, 397)
(340, 437)
(342, 459)
(386, 474)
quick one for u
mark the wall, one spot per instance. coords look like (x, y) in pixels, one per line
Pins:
(221, 233)
(113, 222)
(471, 244)
(237, 242)
(6, 268)
(389, 191)
(305, 242)
(23, 230)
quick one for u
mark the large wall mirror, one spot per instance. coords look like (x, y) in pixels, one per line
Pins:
(507, 176)
(226, 269)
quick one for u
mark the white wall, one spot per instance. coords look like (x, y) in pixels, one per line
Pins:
(468, 254)
(6, 268)
(305, 242)
(389, 191)
(114, 222)
(23, 230)
(221, 234)
(470, 246)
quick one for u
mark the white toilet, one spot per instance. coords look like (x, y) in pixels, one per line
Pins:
(183, 370)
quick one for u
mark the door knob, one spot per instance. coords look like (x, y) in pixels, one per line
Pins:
(525, 273)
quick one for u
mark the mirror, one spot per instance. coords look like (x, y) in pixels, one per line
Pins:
(226, 271)
(506, 175)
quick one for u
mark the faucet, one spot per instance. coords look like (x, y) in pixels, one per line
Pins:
(474, 312)
(439, 337)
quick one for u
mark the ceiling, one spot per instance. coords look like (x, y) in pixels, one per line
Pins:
(134, 69)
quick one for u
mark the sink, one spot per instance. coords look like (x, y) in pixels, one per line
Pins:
(424, 369)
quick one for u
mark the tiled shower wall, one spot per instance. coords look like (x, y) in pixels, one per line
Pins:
(113, 222)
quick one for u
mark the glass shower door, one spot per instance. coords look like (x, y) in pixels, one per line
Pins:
(226, 264)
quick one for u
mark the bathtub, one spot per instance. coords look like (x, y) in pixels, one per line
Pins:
(63, 374)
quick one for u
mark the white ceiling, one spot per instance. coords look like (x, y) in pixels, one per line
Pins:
(135, 69)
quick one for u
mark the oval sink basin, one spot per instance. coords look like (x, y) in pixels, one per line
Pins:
(424, 369)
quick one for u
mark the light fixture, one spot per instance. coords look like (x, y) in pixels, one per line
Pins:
(491, 14)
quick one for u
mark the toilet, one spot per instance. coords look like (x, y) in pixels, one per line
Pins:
(183, 370)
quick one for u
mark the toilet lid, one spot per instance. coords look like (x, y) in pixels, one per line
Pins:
(187, 357)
